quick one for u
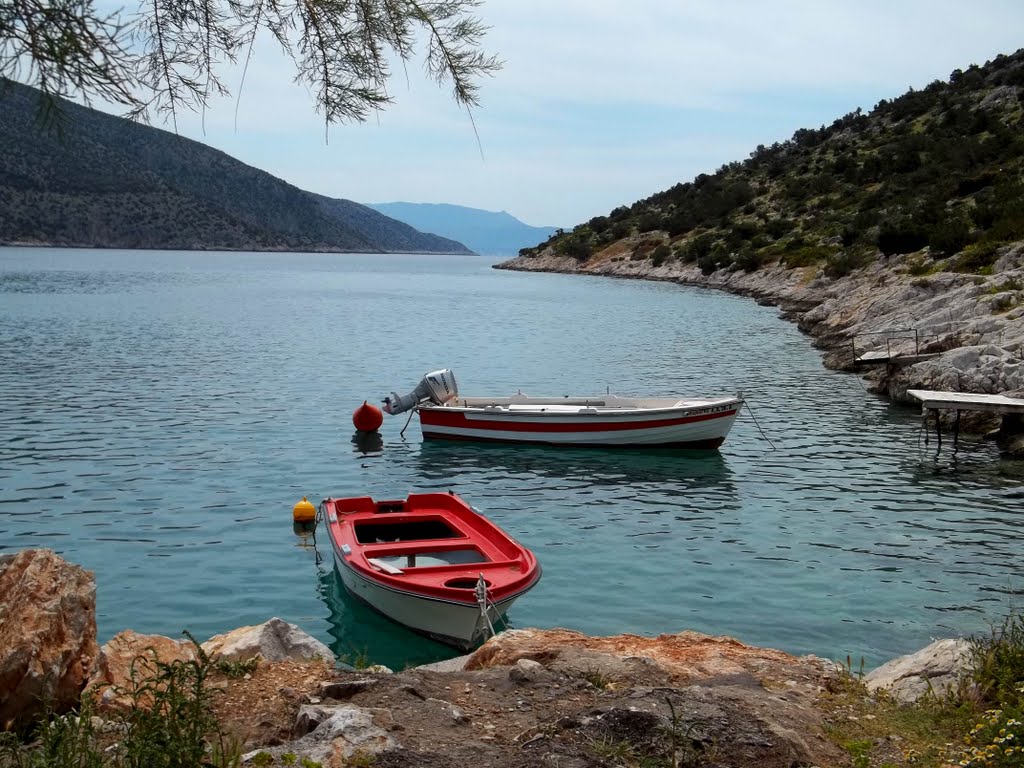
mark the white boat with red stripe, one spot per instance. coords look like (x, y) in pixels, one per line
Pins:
(600, 420)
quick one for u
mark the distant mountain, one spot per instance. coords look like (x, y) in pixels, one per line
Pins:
(92, 179)
(486, 232)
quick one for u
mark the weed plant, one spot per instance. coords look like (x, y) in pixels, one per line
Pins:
(170, 724)
(977, 723)
(997, 739)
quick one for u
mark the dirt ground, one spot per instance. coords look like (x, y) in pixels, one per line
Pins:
(578, 708)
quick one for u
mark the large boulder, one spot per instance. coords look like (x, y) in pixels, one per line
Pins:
(47, 634)
(935, 668)
(689, 656)
(274, 640)
(128, 659)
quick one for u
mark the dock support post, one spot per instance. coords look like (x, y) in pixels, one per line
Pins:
(924, 424)
(956, 429)
(938, 427)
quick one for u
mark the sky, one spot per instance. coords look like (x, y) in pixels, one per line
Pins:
(601, 102)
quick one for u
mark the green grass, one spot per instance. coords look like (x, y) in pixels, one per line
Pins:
(975, 724)
(598, 679)
(237, 669)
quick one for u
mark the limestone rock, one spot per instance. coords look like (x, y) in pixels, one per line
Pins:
(690, 656)
(129, 653)
(310, 717)
(934, 668)
(344, 689)
(47, 633)
(345, 731)
(527, 671)
(274, 640)
(448, 665)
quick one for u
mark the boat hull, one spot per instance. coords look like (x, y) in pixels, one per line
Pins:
(457, 624)
(690, 427)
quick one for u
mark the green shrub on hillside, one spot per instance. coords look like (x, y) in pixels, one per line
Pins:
(697, 248)
(846, 261)
(578, 246)
(901, 235)
(621, 229)
(707, 263)
(950, 235)
(805, 255)
(660, 254)
(748, 260)
(919, 266)
(976, 257)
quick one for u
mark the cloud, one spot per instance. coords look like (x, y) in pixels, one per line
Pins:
(601, 103)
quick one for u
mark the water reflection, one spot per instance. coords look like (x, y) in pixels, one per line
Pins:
(367, 443)
(359, 632)
(597, 466)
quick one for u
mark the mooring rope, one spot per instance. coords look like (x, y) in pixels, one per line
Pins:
(316, 524)
(752, 416)
(482, 601)
(411, 412)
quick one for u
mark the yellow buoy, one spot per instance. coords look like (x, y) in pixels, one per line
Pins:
(304, 512)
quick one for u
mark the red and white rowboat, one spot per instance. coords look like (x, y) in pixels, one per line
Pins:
(601, 420)
(429, 562)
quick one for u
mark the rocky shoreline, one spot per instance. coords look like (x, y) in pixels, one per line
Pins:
(525, 698)
(975, 323)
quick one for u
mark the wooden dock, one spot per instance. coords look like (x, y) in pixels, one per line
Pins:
(964, 401)
(902, 347)
(884, 357)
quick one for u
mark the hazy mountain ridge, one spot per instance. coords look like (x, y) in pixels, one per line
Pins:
(92, 179)
(487, 232)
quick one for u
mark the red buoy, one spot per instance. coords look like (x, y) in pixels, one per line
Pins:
(367, 418)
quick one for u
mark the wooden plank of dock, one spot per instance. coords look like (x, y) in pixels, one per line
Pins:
(880, 356)
(967, 401)
(875, 356)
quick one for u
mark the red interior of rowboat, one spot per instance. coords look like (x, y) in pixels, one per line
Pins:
(433, 544)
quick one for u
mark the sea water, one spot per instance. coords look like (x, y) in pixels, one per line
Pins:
(161, 413)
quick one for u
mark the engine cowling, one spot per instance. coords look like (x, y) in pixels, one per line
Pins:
(438, 387)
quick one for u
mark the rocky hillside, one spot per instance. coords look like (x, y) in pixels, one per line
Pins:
(935, 172)
(86, 178)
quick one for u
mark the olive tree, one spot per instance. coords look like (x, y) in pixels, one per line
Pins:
(166, 56)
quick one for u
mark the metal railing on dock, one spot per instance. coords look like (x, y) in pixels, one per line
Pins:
(897, 348)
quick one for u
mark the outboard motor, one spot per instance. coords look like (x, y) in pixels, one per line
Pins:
(437, 386)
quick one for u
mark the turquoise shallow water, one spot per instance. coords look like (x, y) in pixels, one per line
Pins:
(160, 413)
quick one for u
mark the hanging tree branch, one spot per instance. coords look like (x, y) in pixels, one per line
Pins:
(167, 59)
